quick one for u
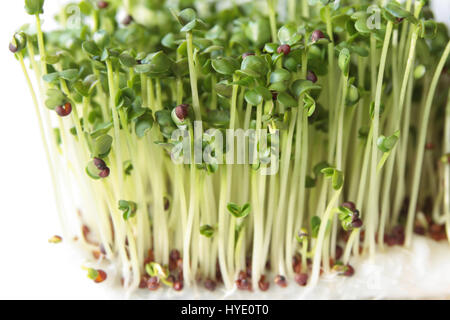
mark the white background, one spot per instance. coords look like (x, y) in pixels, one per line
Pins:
(30, 268)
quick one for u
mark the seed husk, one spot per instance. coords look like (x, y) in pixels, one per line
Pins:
(103, 4)
(311, 76)
(284, 48)
(301, 279)
(281, 281)
(65, 110)
(127, 20)
(153, 283)
(104, 173)
(101, 276)
(210, 285)
(178, 285)
(316, 35)
(100, 164)
(55, 239)
(245, 55)
(13, 48)
(182, 111)
(263, 284)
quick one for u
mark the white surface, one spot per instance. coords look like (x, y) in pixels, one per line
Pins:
(30, 268)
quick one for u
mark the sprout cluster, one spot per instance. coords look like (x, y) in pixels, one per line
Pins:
(359, 96)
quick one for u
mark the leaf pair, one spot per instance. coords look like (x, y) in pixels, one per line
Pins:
(128, 208)
(18, 42)
(345, 215)
(34, 7)
(189, 21)
(386, 144)
(337, 177)
(154, 64)
(257, 95)
(207, 230)
(69, 75)
(238, 211)
(55, 98)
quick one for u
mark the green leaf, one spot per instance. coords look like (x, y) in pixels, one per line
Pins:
(102, 146)
(258, 32)
(101, 39)
(125, 98)
(352, 96)
(287, 100)
(92, 273)
(361, 25)
(34, 7)
(419, 71)
(207, 231)
(18, 42)
(315, 226)
(225, 65)
(169, 41)
(182, 49)
(224, 89)
(127, 60)
(363, 52)
(279, 86)
(309, 104)
(328, 172)
(280, 75)
(254, 66)
(428, 29)
(195, 24)
(310, 182)
(245, 82)
(237, 211)
(337, 180)
(128, 208)
(181, 67)
(144, 124)
(337, 177)
(252, 97)
(344, 61)
(271, 47)
(92, 171)
(91, 48)
(386, 144)
(127, 167)
(301, 86)
(185, 16)
(246, 208)
(80, 89)
(345, 217)
(143, 68)
(318, 168)
(264, 92)
(51, 77)
(288, 34)
(155, 63)
(55, 98)
(101, 129)
(372, 109)
(397, 11)
(69, 74)
(234, 209)
(85, 7)
(86, 87)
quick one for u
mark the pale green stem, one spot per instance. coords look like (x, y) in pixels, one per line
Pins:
(421, 148)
